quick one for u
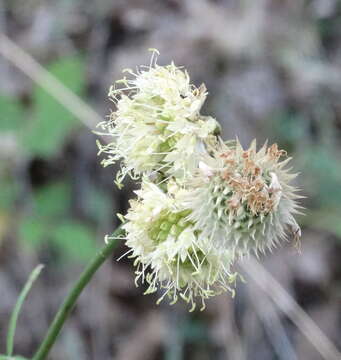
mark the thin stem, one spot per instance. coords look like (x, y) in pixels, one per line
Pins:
(70, 301)
(17, 308)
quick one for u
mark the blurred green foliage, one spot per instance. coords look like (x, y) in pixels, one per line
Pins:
(75, 239)
(12, 114)
(323, 177)
(53, 200)
(43, 127)
(50, 222)
(8, 193)
(288, 128)
(41, 130)
(51, 123)
(317, 159)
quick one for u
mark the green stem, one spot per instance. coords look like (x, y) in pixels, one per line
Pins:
(17, 308)
(69, 302)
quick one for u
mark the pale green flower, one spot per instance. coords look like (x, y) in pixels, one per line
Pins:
(169, 253)
(157, 126)
(203, 203)
(242, 199)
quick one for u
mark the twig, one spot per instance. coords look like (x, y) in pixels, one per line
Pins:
(273, 326)
(290, 307)
(30, 67)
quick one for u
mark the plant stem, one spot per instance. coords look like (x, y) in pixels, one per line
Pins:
(17, 308)
(70, 301)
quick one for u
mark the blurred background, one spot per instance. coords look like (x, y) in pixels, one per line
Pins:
(273, 71)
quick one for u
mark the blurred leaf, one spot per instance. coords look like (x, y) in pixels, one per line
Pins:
(75, 240)
(8, 193)
(51, 122)
(288, 128)
(53, 200)
(5, 225)
(11, 113)
(329, 27)
(195, 331)
(322, 175)
(32, 231)
(98, 204)
(326, 219)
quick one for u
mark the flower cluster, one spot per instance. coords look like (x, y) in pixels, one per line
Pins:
(157, 126)
(203, 203)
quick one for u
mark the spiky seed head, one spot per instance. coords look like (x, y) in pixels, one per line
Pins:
(243, 199)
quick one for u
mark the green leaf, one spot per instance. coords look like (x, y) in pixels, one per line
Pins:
(288, 128)
(326, 219)
(194, 331)
(51, 122)
(16, 311)
(322, 175)
(11, 114)
(52, 203)
(97, 204)
(75, 240)
(32, 231)
(53, 200)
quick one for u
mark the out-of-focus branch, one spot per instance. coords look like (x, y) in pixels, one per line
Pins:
(290, 307)
(273, 326)
(30, 67)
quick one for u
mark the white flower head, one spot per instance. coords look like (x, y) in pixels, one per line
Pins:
(168, 253)
(242, 199)
(203, 203)
(157, 126)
